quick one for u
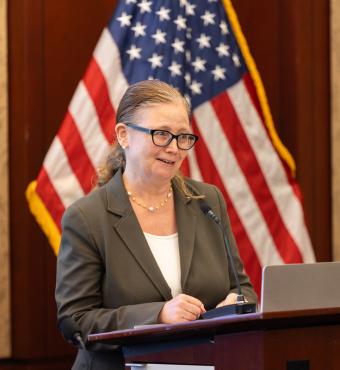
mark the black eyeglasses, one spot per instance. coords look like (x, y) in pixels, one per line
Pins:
(164, 137)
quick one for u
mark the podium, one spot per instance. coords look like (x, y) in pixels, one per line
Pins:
(292, 340)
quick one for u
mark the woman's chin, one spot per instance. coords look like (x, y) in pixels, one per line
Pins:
(167, 173)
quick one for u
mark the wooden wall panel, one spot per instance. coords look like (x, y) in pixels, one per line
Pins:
(69, 43)
(71, 31)
(50, 44)
(27, 245)
(49, 47)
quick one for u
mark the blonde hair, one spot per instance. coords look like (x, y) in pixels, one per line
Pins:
(139, 95)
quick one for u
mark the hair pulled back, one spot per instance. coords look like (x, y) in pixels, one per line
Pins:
(137, 96)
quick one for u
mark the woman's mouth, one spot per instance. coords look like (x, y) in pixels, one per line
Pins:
(166, 161)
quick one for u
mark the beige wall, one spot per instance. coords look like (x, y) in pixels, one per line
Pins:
(335, 140)
(5, 342)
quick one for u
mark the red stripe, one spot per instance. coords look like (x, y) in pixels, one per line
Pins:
(96, 85)
(254, 98)
(50, 197)
(246, 249)
(248, 163)
(77, 154)
(249, 83)
(185, 168)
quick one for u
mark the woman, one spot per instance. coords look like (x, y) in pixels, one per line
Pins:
(138, 249)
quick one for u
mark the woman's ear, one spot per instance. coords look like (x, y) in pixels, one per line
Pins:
(122, 136)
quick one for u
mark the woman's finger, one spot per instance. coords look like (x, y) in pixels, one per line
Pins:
(181, 308)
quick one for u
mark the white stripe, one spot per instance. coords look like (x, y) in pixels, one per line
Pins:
(61, 175)
(108, 58)
(86, 119)
(195, 172)
(236, 185)
(288, 204)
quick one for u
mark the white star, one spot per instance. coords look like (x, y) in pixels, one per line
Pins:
(198, 64)
(145, 6)
(187, 78)
(131, 1)
(163, 14)
(175, 69)
(139, 29)
(188, 55)
(218, 73)
(224, 28)
(134, 52)
(188, 34)
(180, 22)
(236, 60)
(189, 9)
(208, 18)
(159, 37)
(178, 46)
(223, 49)
(155, 60)
(195, 87)
(124, 19)
(204, 41)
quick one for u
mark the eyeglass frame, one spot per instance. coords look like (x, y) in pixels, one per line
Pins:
(152, 131)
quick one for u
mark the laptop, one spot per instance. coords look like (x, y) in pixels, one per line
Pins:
(300, 286)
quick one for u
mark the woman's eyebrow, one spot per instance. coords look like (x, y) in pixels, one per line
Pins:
(169, 128)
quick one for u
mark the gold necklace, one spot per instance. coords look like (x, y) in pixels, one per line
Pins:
(151, 208)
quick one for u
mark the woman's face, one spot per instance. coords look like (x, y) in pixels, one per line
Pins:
(143, 157)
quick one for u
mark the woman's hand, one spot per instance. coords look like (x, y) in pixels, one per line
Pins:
(230, 299)
(182, 308)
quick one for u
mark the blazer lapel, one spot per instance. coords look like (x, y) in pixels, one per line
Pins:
(131, 233)
(186, 226)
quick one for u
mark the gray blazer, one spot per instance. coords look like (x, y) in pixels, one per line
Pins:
(108, 279)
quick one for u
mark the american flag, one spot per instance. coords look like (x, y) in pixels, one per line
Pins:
(198, 47)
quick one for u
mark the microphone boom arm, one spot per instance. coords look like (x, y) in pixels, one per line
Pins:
(241, 306)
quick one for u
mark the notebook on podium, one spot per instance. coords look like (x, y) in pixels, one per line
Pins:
(300, 286)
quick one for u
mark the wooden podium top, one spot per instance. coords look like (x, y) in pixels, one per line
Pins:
(223, 325)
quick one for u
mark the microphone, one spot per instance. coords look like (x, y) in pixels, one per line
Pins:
(241, 306)
(71, 332)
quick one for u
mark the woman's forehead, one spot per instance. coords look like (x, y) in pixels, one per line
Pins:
(167, 116)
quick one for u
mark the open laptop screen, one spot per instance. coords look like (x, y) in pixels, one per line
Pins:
(300, 286)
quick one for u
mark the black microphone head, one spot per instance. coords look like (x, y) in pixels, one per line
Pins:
(204, 207)
(70, 329)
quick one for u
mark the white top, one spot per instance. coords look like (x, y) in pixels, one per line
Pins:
(166, 252)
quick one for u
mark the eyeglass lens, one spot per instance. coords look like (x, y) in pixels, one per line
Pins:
(163, 138)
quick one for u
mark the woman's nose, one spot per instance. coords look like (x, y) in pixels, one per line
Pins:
(172, 145)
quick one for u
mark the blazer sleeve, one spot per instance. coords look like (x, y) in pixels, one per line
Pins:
(80, 270)
(246, 286)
